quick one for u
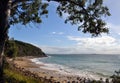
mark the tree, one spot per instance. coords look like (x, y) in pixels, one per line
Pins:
(17, 11)
(86, 14)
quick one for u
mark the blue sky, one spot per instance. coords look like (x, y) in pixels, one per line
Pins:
(54, 36)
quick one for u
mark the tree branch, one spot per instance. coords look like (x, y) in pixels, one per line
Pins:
(16, 2)
(72, 1)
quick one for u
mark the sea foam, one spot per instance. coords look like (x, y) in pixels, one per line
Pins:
(64, 69)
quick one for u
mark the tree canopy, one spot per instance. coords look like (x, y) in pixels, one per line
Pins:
(24, 11)
(87, 14)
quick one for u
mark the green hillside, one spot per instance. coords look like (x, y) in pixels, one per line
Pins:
(18, 48)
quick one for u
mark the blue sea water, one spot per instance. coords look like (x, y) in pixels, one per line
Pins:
(88, 65)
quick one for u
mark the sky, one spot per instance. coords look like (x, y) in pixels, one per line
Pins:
(53, 36)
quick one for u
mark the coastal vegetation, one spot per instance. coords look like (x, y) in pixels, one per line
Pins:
(14, 76)
(17, 48)
(13, 49)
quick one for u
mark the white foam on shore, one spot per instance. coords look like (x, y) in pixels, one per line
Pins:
(65, 70)
(49, 66)
(35, 60)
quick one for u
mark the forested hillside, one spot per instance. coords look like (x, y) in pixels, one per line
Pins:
(18, 48)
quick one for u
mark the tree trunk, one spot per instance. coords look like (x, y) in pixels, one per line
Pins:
(1, 61)
(4, 26)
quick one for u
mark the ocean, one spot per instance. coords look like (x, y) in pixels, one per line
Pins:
(86, 65)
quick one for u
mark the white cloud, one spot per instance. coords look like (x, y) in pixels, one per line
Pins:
(53, 32)
(118, 33)
(100, 45)
(107, 40)
(56, 50)
(57, 33)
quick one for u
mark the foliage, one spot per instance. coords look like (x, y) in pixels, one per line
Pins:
(25, 11)
(87, 14)
(12, 76)
(26, 49)
(18, 48)
(11, 49)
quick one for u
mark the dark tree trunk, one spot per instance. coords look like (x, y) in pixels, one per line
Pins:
(1, 61)
(4, 26)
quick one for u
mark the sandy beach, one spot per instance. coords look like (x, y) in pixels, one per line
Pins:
(25, 64)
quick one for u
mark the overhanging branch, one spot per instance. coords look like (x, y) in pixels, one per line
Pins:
(16, 2)
(73, 2)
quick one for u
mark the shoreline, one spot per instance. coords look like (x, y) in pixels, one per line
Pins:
(27, 64)
(62, 69)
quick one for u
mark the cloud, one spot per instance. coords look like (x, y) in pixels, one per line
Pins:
(118, 33)
(109, 44)
(53, 32)
(57, 50)
(57, 33)
(100, 45)
(107, 40)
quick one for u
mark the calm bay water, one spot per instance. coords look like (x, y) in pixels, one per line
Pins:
(88, 65)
